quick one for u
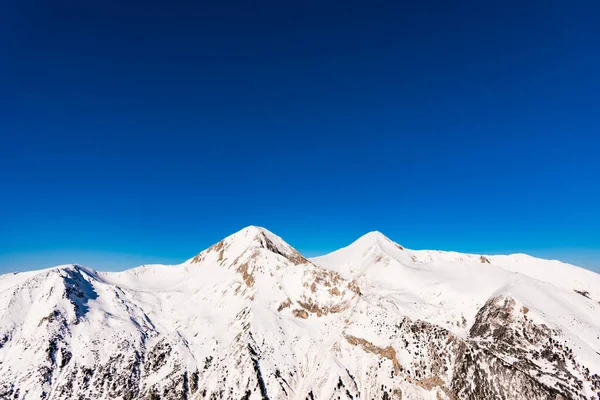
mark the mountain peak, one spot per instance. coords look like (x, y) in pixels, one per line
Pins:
(251, 233)
(251, 238)
(371, 247)
(374, 235)
(375, 238)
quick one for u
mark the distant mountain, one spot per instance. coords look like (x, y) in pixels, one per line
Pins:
(251, 318)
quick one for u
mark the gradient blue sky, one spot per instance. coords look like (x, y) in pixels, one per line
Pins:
(140, 132)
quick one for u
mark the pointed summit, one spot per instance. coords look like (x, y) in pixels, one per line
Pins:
(375, 238)
(250, 240)
(354, 259)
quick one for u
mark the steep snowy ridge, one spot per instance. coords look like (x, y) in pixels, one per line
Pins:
(251, 318)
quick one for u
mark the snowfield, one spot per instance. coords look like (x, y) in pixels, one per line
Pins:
(251, 318)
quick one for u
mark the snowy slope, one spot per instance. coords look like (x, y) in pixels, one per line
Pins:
(250, 317)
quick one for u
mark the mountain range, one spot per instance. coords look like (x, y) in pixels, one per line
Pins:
(252, 318)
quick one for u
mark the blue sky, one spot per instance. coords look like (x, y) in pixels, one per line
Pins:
(137, 133)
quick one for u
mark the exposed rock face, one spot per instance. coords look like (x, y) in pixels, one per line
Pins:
(387, 352)
(250, 318)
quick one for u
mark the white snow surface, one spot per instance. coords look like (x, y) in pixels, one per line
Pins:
(312, 323)
(442, 287)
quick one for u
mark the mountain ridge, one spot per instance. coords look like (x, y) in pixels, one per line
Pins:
(250, 317)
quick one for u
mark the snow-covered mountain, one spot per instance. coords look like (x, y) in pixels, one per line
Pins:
(251, 318)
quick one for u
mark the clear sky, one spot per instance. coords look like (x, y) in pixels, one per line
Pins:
(140, 132)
